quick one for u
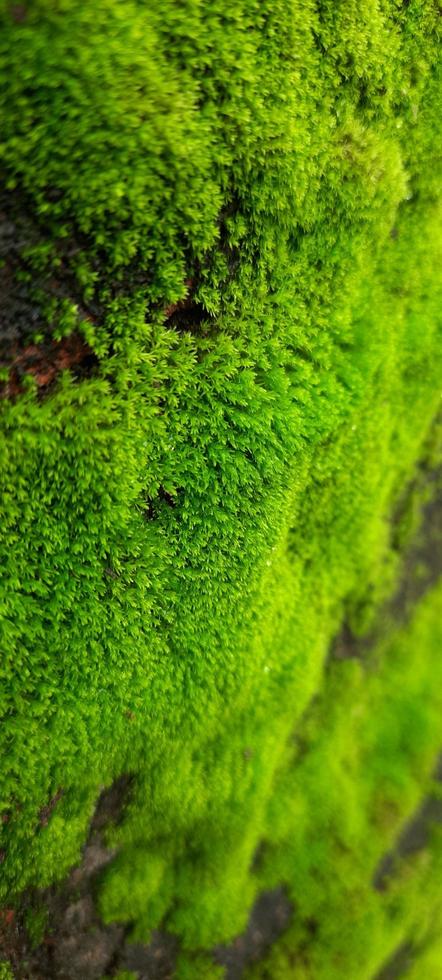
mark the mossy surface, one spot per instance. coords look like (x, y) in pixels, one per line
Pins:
(329, 828)
(236, 205)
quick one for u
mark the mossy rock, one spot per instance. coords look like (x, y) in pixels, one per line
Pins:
(220, 245)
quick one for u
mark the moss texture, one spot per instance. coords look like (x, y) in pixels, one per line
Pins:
(235, 205)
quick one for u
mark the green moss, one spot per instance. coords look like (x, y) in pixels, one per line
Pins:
(125, 975)
(198, 966)
(36, 924)
(369, 746)
(185, 530)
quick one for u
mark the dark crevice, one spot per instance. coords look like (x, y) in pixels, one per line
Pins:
(46, 811)
(38, 290)
(73, 943)
(37, 275)
(398, 964)
(269, 918)
(18, 13)
(44, 362)
(112, 803)
(183, 303)
(188, 315)
(154, 505)
(20, 313)
(421, 569)
(413, 838)
(347, 646)
(153, 961)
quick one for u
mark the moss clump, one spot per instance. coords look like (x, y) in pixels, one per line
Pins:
(237, 207)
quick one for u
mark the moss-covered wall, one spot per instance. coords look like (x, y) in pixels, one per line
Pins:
(230, 212)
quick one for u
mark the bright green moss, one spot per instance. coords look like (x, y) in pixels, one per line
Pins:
(185, 530)
(428, 963)
(198, 966)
